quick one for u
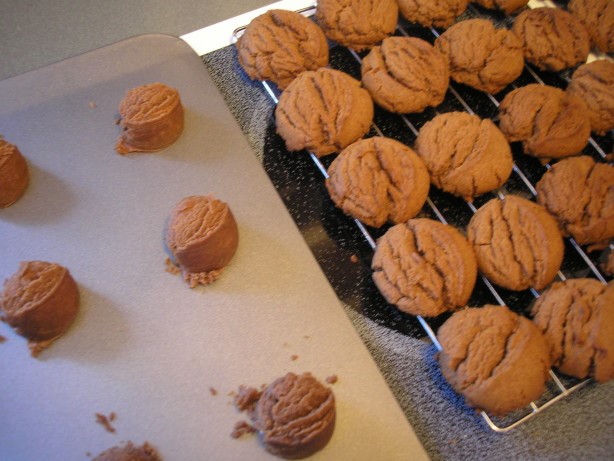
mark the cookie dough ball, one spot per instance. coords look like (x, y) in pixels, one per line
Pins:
(598, 18)
(481, 56)
(323, 111)
(202, 236)
(151, 118)
(405, 75)
(424, 267)
(40, 301)
(465, 155)
(579, 193)
(553, 39)
(129, 452)
(295, 416)
(517, 243)
(14, 176)
(507, 6)
(432, 13)
(377, 180)
(498, 360)
(550, 122)
(278, 45)
(594, 84)
(577, 317)
(357, 24)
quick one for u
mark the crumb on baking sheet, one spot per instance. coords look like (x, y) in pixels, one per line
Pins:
(241, 428)
(332, 379)
(293, 357)
(213, 391)
(354, 259)
(91, 105)
(2, 339)
(105, 421)
(246, 397)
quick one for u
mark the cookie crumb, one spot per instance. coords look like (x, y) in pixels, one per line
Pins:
(246, 397)
(106, 421)
(213, 391)
(241, 428)
(2, 339)
(354, 259)
(607, 266)
(332, 379)
(293, 357)
(92, 105)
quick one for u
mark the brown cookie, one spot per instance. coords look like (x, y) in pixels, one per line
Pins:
(594, 84)
(507, 6)
(405, 75)
(129, 452)
(357, 24)
(553, 39)
(279, 44)
(424, 267)
(517, 243)
(579, 193)
(432, 13)
(14, 176)
(498, 360)
(465, 155)
(481, 56)
(550, 122)
(323, 111)
(577, 317)
(598, 18)
(377, 180)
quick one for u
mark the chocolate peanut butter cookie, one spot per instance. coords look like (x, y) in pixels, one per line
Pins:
(377, 180)
(323, 111)
(550, 122)
(507, 6)
(278, 45)
(577, 317)
(405, 75)
(480, 55)
(517, 243)
(14, 176)
(432, 13)
(465, 155)
(424, 267)
(598, 18)
(498, 360)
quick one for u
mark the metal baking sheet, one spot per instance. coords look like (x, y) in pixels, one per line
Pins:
(144, 345)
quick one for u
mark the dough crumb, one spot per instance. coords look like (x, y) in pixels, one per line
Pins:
(105, 421)
(332, 379)
(241, 428)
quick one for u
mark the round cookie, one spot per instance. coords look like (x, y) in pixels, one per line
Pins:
(279, 44)
(129, 452)
(424, 267)
(498, 360)
(405, 75)
(465, 155)
(553, 39)
(517, 243)
(357, 24)
(14, 176)
(562, 128)
(577, 318)
(480, 55)
(323, 111)
(377, 180)
(579, 193)
(507, 6)
(594, 84)
(598, 18)
(432, 13)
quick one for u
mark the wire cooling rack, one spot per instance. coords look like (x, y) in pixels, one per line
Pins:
(457, 212)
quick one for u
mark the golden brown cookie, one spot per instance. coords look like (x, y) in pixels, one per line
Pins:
(480, 55)
(424, 267)
(279, 44)
(598, 18)
(577, 317)
(432, 13)
(498, 360)
(550, 122)
(323, 111)
(517, 243)
(14, 176)
(129, 452)
(465, 155)
(405, 75)
(357, 24)
(553, 39)
(507, 6)
(377, 180)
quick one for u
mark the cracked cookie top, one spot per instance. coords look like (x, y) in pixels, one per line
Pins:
(598, 18)
(432, 13)
(507, 6)
(14, 174)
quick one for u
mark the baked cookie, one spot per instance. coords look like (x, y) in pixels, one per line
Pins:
(405, 75)
(579, 193)
(594, 84)
(14, 176)
(562, 128)
(323, 111)
(357, 24)
(517, 243)
(598, 18)
(498, 360)
(129, 452)
(553, 39)
(577, 317)
(480, 55)
(279, 44)
(424, 267)
(377, 180)
(465, 155)
(432, 13)
(507, 6)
